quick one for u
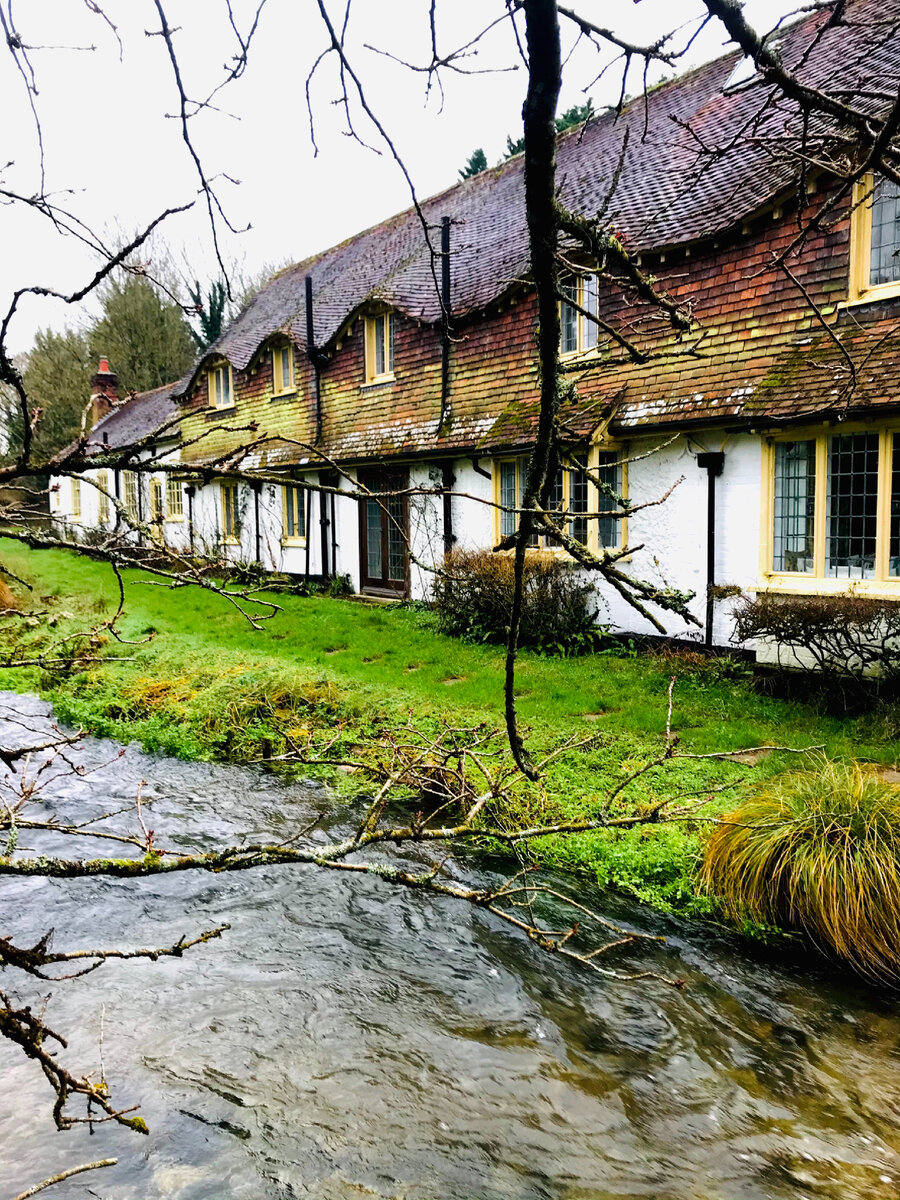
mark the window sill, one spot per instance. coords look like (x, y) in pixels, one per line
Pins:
(809, 585)
(283, 395)
(294, 543)
(174, 520)
(883, 291)
(230, 541)
(213, 414)
(377, 381)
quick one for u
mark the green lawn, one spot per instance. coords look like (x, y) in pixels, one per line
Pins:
(210, 686)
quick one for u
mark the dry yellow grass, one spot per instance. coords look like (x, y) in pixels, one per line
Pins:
(817, 851)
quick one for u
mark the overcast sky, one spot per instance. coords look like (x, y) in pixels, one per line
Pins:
(114, 154)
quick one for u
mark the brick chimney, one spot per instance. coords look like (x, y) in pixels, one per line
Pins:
(104, 391)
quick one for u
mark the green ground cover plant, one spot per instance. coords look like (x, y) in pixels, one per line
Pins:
(209, 686)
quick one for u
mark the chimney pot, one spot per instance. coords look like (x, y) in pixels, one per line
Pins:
(104, 390)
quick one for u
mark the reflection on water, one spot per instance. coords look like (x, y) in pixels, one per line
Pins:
(345, 1040)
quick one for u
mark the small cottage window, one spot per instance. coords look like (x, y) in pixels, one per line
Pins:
(102, 497)
(76, 499)
(578, 333)
(380, 348)
(835, 511)
(174, 499)
(129, 499)
(294, 514)
(157, 508)
(220, 386)
(572, 495)
(231, 517)
(875, 239)
(283, 370)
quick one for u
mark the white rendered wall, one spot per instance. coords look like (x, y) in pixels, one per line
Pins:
(673, 534)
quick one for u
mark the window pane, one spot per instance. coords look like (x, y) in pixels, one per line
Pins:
(226, 386)
(174, 497)
(885, 265)
(508, 497)
(589, 303)
(379, 346)
(294, 512)
(389, 357)
(852, 506)
(286, 382)
(795, 492)
(102, 501)
(396, 546)
(894, 544)
(578, 498)
(76, 497)
(568, 339)
(373, 540)
(609, 475)
(130, 494)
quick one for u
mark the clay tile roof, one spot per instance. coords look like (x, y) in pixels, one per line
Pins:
(668, 193)
(139, 416)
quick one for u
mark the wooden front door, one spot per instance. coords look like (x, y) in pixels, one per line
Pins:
(384, 534)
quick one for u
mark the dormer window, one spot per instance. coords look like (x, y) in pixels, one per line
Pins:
(221, 392)
(578, 333)
(380, 348)
(875, 240)
(283, 369)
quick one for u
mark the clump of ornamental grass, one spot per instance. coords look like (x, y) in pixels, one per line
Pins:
(817, 851)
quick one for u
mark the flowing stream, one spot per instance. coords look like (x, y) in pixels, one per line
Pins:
(348, 1040)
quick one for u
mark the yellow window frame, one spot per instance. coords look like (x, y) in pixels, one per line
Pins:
(293, 495)
(231, 520)
(595, 499)
(130, 494)
(174, 499)
(859, 289)
(220, 383)
(76, 500)
(372, 339)
(583, 326)
(816, 582)
(280, 385)
(102, 497)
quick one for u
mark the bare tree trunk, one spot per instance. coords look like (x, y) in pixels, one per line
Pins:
(539, 114)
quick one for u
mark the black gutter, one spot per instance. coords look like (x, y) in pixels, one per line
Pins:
(712, 462)
(479, 470)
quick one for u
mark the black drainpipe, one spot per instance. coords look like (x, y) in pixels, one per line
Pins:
(323, 523)
(448, 480)
(313, 355)
(307, 528)
(190, 489)
(712, 462)
(445, 322)
(257, 488)
(333, 534)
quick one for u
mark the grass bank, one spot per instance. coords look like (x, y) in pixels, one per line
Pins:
(208, 686)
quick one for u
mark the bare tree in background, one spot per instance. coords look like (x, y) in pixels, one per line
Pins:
(826, 131)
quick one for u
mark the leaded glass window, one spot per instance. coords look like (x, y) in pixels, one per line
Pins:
(884, 262)
(852, 506)
(795, 491)
(609, 474)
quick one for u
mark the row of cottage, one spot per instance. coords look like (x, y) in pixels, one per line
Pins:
(780, 466)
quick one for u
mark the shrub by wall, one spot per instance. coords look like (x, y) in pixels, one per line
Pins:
(849, 638)
(817, 851)
(473, 600)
